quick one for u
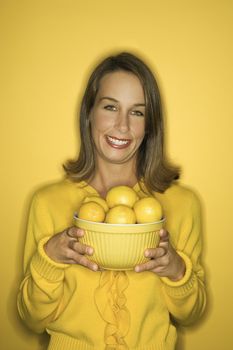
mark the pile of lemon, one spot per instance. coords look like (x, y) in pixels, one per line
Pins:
(121, 206)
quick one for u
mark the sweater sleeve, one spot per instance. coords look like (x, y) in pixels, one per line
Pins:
(186, 298)
(40, 298)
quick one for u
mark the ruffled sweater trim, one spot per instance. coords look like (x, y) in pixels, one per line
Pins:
(111, 304)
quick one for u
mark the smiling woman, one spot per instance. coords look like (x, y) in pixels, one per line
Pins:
(117, 120)
(124, 89)
(64, 292)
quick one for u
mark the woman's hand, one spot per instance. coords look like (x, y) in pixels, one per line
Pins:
(164, 260)
(65, 248)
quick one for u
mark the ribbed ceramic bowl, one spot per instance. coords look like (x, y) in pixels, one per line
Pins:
(118, 246)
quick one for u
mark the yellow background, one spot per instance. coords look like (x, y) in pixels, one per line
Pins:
(47, 50)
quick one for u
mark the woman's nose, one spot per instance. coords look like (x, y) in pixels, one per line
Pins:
(122, 122)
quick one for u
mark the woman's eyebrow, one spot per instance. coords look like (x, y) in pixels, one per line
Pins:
(108, 98)
(140, 105)
(115, 100)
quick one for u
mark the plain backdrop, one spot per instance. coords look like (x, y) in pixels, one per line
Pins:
(48, 48)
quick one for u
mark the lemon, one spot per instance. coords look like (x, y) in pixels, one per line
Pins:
(148, 209)
(120, 214)
(118, 195)
(91, 211)
(98, 200)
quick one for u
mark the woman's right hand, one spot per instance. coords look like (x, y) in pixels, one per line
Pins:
(64, 247)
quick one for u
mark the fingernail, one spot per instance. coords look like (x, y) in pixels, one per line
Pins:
(80, 232)
(90, 251)
(147, 254)
(137, 269)
(161, 232)
(94, 267)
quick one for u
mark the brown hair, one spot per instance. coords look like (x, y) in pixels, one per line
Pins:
(152, 165)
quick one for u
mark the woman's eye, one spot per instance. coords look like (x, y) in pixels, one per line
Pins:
(110, 107)
(138, 113)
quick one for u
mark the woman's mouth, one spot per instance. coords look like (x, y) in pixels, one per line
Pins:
(117, 143)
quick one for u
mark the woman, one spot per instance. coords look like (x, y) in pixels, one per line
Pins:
(66, 294)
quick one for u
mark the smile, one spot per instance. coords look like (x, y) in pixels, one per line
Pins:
(117, 143)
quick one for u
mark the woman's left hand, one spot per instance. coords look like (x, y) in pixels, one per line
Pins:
(164, 260)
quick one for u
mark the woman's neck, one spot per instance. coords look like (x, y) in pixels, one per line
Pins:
(111, 175)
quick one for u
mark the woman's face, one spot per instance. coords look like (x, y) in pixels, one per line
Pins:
(118, 117)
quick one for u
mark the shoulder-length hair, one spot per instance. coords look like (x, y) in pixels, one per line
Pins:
(153, 168)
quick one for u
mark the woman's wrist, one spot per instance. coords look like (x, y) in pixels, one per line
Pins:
(180, 271)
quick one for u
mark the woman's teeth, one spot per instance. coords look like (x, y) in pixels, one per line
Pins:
(117, 141)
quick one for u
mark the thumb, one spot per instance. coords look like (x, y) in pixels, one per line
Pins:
(164, 235)
(74, 232)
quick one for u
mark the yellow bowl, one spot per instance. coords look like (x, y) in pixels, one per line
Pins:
(119, 246)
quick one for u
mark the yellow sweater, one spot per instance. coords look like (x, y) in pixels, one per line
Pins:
(87, 310)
